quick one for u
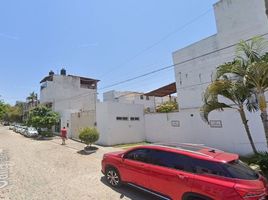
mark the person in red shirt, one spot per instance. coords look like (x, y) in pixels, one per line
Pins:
(63, 135)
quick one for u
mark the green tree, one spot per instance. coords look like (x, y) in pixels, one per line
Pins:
(237, 94)
(43, 117)
(167, 107)
(3, 110)
(251, 66)
(14, 113)
(32, 99)
(89, 135)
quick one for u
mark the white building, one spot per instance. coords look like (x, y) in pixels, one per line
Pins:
(236, 20)
(120, 123)
(71, 96)
(195, 66)
(149, 101)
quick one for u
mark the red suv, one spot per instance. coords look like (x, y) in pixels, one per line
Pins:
(185, 172)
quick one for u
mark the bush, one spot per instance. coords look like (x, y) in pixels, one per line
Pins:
(167, 107)
(89, 135)
(46, 134)
(260, 159)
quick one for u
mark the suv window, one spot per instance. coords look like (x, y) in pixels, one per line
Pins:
(171, 160)
(238, 169)
(208, 167)
(141, 155)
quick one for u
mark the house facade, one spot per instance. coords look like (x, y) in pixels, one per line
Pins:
(70, 95)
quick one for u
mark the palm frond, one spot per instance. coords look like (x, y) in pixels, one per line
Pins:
(210, 106)
(251, 51)
(230, 69)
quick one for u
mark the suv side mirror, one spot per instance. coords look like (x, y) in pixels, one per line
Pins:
(123, 157)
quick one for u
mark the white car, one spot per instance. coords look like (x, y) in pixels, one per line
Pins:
(22, 130)
(31, 132)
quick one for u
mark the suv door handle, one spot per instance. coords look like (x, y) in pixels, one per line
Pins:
(182, 177)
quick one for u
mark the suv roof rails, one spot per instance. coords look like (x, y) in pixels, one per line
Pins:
(185, 147)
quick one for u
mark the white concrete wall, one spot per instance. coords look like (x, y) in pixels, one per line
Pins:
(231, 137)
(113, 131)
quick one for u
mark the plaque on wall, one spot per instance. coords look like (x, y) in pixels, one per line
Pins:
(175, 123)
(215, 123)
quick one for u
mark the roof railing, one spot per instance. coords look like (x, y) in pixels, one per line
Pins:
(181, 145)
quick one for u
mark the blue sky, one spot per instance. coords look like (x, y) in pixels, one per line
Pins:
(107, 40)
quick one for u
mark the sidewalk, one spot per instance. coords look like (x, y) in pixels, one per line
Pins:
(78, 146)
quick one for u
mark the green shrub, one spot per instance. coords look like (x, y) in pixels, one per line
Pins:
(46, 133)
(167, 107)
(89, 135)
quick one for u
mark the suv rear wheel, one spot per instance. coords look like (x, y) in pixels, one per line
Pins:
(113, 177)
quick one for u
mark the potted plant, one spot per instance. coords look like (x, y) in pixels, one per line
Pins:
(89, 136)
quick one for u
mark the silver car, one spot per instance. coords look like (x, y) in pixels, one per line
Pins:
(31, 132)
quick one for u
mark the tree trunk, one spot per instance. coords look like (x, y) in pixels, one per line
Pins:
(264, 116)
(266, 7)
(245, 122)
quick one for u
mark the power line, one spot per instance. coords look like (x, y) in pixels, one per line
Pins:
(173, 65)
(159, 41)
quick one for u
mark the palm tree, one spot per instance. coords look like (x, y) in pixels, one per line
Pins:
(251, 65)
(32, 98)
(234, 91)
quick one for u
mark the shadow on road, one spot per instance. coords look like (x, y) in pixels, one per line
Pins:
(131, 192)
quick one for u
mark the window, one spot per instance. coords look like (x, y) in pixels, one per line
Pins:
(141, 155)
(147, 98)
(122, 118)
(237, 169)
(171, 160)
(141, 97)
(208, 167)
(134, 119)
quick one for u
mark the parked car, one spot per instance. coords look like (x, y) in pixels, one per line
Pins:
(31, 132)
(16, 128)
(21, 129)
(6, 123)
(185, 172)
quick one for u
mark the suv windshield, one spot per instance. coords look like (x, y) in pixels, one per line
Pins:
(237, 169)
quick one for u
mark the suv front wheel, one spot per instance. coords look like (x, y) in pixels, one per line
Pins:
(113, 177)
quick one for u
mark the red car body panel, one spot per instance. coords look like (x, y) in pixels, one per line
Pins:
(163, 180)
(175, 183)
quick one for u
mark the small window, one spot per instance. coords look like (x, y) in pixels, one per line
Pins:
(118, 118)
(141, 155)
(147, 98)
(134, 118)
(122, 118)
(141, 97)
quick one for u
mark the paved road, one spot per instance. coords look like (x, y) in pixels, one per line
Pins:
(41, 170)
